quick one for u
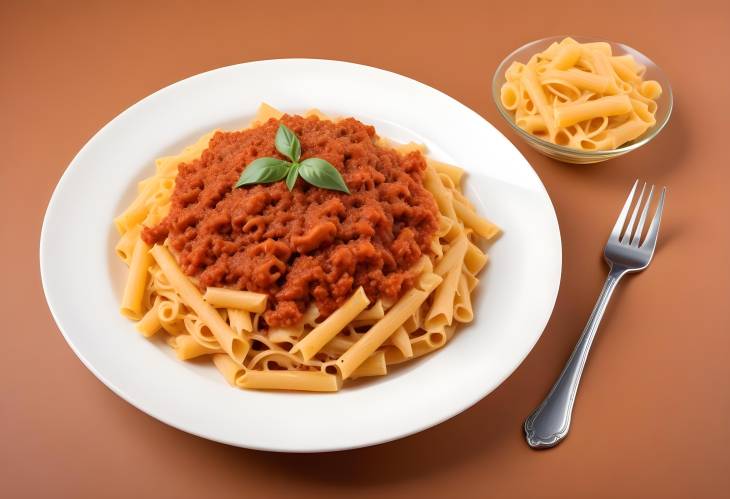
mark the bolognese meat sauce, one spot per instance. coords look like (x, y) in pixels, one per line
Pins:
(309, 245)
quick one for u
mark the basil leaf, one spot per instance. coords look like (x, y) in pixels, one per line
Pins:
(320, 173)
(287, 143)
(263, 171)
(291, 178)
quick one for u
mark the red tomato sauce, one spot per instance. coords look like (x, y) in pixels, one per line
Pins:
(310, 245)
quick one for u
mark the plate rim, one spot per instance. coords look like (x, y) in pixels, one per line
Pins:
(131, 399)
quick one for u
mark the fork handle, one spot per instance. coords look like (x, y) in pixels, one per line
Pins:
(550, 422)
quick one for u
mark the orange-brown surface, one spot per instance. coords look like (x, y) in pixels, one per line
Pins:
(307, 245)
(651, 417)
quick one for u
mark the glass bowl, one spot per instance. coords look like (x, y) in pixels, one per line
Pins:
(577, 156)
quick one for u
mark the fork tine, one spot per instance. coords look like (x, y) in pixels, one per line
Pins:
(642, 219)
(653, 231)
(630, 226)
(616, 232)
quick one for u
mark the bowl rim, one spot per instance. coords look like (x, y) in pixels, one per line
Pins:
(498, 79)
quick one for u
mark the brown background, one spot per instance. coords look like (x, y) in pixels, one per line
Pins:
(652, 417)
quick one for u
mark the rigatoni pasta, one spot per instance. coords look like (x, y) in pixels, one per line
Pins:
(317, 352)
(581, 96)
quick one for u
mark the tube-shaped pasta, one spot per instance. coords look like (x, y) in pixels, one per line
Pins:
(319, 336)
(454, 256)
(167, 166)
(231, 298)
(601, 47)
(580, 79)
(509, 94)
(471, 280)
(136, 281)
(531, 123)
(231, 371)
(642, 112)
(200, 331)
(624, 71)
(442, 310)
(601, 142)
(561, 89)
(136, 212)
(144, 184)
(434, 339)
(373, 366)
(547, 54)
(125, 247)
(481, 225)
(463, 311)
(474, 259)
(532, 85)
(458, 196)
(454, 172)
(420, 348)
(376, 312)
(157, 213)
(186, 347)
(650, 89)
(436, 248)
(400, 340)
(457, 228)
(612, 105)
(376, 335)
(413, 322)
(631, 63)
(339, 345)
(514, 71)
(447, 182)
(428, 280)
(309, 381)
(227, 339)
(149, 324)
(627, 131)
(567, 55)
(168, 310)
(443, 197)
(595, 126)
(240, 321)
(445, 224)
(423, 266)
(603, 67)
(650, 104)
(264, 113)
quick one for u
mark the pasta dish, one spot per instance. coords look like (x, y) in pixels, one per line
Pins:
(355, 255)
(580, 95)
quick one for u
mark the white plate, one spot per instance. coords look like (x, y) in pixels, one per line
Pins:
(82, 278)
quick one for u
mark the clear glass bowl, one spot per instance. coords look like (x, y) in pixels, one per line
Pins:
(567, 154)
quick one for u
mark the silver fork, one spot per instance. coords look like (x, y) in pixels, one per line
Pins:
(549, 423)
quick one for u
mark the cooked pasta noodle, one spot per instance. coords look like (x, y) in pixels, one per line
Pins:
(136, 281)
(358, 339)
(149, 324)
(186, 347)
(567, 93)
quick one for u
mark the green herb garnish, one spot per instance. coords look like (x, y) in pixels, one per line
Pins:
(316, 171)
